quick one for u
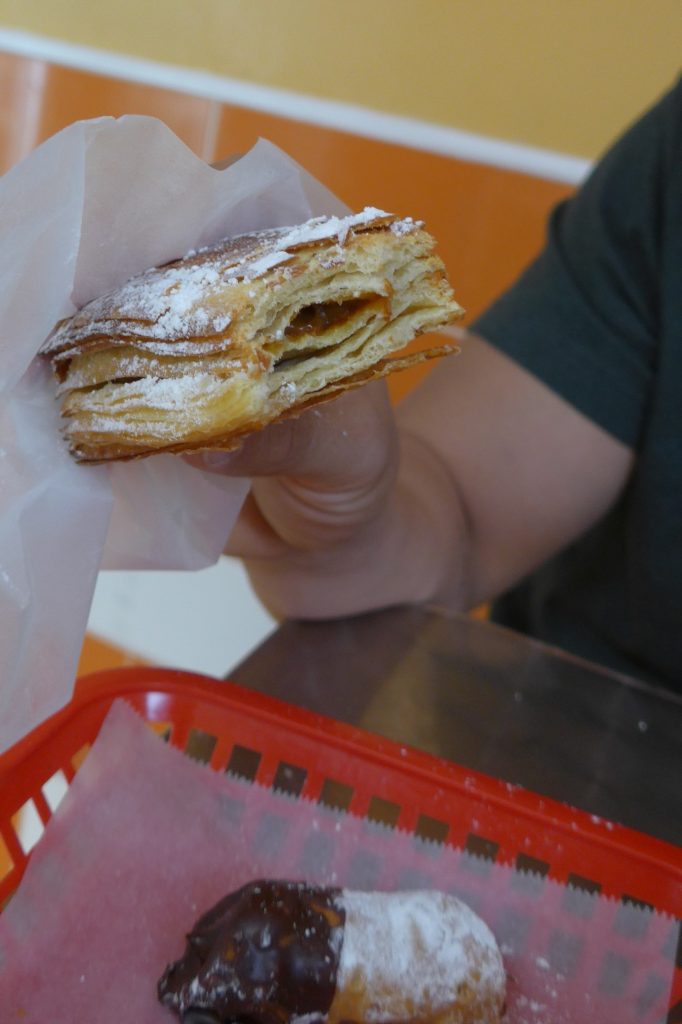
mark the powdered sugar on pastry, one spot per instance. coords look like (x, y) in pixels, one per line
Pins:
(419, 949)
(316, 230)
(175, 301)
(321, 306)
(326, 227)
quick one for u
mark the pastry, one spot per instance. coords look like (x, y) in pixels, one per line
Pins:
(201, 351)
(279, 952)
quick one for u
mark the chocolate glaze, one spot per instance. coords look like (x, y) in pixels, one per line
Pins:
(264, 954)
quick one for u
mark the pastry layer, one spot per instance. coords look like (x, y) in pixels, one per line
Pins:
(201, 351)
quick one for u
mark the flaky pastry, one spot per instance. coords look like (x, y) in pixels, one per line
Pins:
(199, 352)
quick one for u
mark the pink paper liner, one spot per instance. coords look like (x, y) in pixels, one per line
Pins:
(146, 840)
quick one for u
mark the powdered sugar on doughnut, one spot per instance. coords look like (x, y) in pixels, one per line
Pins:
(416, 945)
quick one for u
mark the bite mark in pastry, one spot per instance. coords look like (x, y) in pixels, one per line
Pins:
(291, 953)
(201, 351)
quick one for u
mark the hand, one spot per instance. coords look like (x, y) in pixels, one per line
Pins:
(321, 484)
(489, 474)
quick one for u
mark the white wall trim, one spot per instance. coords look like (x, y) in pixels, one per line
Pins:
(406, 131)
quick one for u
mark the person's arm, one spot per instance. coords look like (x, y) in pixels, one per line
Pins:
(532, 473)
(485, 475)
(489, 471)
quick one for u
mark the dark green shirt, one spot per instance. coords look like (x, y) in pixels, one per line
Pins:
(598, 318)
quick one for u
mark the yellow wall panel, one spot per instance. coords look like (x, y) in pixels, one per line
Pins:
(560, 74)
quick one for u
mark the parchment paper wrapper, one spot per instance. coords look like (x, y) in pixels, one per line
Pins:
(146, 840)
(95, 204)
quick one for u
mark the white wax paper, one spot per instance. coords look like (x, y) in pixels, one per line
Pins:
(95, 204)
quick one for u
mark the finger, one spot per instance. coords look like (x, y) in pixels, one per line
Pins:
(345, 438)
(252, 536)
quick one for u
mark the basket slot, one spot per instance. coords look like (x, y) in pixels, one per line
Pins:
(6, 861)
(289, 778)
(244, 762)
(583, 884)
(335, 795)
(78, 758)
(163, 730)
(630, 901)
(28, 826)
(383, 812)
(55, 789)
(200, 745)
(532, 865)
(12, 845)
(484, 849)
(431, 829)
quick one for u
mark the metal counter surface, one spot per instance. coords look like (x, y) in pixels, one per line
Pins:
(491, 700)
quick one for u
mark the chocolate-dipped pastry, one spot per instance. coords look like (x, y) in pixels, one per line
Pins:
(277, 952)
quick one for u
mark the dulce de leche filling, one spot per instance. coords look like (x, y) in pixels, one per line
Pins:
(320, 316)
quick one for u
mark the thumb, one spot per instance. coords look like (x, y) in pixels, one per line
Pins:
(336, 443)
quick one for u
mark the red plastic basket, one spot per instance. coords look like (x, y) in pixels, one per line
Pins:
(305, 754)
